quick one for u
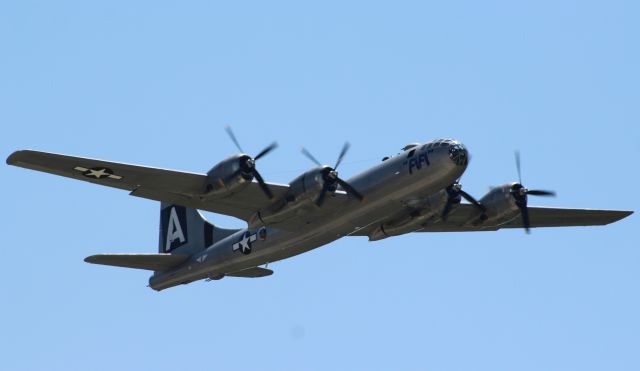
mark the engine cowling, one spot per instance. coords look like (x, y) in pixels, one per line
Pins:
(303, 192)
(229, 176)
(500, 206)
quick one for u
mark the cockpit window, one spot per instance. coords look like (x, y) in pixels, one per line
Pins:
(410, 146)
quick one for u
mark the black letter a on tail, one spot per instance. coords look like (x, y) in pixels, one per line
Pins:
(174, 231)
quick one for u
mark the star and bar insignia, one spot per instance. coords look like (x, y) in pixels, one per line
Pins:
(97, 172)
(244, 245)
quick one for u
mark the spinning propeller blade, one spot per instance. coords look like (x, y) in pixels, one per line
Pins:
(310, 156)
(518, 167)
(520, 193)
(343, 152)
(233, 138)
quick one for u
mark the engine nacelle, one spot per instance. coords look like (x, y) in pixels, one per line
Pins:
(306, 188)
(420, 213)
(229, 176)
(301, 197)
(500, 206)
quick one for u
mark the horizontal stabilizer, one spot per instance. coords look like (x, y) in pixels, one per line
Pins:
(254, 272)
(152, 262)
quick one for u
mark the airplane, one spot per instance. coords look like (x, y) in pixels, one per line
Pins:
(417, 190)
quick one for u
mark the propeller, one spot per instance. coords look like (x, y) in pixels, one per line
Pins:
(330, 176)
(248, 163)
(454, 193)
(520, 193)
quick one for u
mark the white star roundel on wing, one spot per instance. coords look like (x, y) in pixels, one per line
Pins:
(97, 172)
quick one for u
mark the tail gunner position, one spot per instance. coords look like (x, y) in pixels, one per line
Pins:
(415, 191)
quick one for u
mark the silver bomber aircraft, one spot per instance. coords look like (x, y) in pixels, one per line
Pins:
(416, 191)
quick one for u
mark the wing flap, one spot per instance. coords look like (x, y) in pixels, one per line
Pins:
(242, 205)
(152, 262)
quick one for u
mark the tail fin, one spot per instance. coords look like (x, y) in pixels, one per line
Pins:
(185, 231)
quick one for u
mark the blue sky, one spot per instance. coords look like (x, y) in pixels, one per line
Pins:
(154, 82)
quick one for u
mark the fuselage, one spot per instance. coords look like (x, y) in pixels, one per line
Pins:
(418, 172)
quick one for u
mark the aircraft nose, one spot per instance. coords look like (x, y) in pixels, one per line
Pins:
(459, 154)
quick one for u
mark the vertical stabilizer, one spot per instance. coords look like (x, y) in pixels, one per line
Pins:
(186, 231)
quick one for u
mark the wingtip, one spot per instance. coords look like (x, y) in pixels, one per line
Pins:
(13, 158)
(16, 157)
(622, 214)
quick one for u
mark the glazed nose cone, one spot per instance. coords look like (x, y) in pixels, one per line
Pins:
(459, 154)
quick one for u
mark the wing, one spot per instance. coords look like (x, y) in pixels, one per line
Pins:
(171, 186)
(541, 217)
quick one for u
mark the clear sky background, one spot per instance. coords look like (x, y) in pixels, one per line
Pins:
(154, 82)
